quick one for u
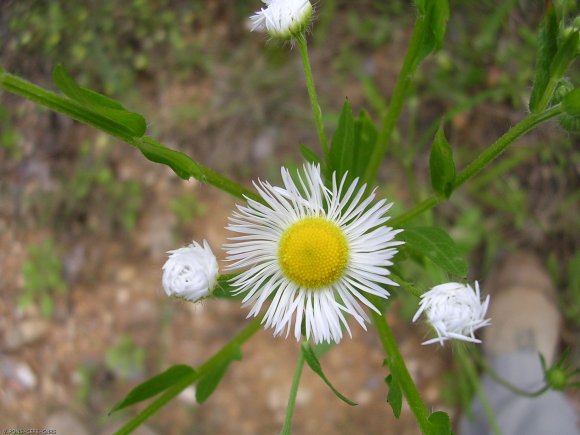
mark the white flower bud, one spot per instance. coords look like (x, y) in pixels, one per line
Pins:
(282, 19)
(455, 311)
(190, 273)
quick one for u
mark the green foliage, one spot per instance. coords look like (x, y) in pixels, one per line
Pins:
(9, 136)
(441, 165)
(441, 423)
(183, 165)
(132, 123)
(125, 358)
(209, 382)
(434, 15)
(547, 48)
(42, 274)
(436, 245)
(395, 395)
(352, 144)
(155, 385)
(314, 364)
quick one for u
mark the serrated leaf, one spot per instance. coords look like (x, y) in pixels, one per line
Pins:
(436, 245)
(547, 48)
(365, 139)
(183, 165)
(342, 148)
(441, 165)
(98, 103)
(571, 103)
(395, 395)
(154, 386)
(314, 364)
(209, 382)
(309, 155)
(440, 423)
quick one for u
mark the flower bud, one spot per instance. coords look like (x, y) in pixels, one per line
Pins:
(455, 311)
(283, 19)
(191, 272)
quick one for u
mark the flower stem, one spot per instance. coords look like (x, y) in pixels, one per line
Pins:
(66, 106)
(218, 358)
(316, 111)
(399, 370)
(287, 428)
(474, 379)
(393, 112)
(485, 158)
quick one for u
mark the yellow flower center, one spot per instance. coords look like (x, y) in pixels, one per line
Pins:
(313, 252)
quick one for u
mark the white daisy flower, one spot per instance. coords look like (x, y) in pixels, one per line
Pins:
(455, 311)
(191, 272)
(317, 251)
(282, 19)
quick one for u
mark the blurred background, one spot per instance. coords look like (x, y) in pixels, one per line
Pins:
(85, 220)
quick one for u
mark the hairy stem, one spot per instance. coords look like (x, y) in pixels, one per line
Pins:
(287, 428)
(391, 116)
(66, 106)
(480, 162)
(399, 370)
(316, 111)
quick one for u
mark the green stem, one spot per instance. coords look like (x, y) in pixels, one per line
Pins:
(393, 112)
(503, 382)
(406, 285)
(485, 158)
(316, 111)
(66, 106)
(218, 358)
(399, 370)
(474, 379)
(287, 428)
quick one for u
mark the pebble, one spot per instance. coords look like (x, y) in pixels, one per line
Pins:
(24, 333)
(20, 373)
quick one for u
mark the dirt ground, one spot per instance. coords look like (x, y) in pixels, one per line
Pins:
(54, 371)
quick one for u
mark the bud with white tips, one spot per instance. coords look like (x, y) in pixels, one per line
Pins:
(455, 311)
(191, 272)
(283, 19)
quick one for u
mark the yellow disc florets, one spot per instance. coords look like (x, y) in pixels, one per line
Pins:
(313, 252)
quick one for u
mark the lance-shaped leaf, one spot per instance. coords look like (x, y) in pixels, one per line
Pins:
(133, 122)
(183, 165)
(155, 385)
(440, 422)
(309, 155)
(209, 382)
(314, 364)
(342, 148)
(436, 245)
(365, 140)
(433, 16)
(441, 165)
(395, 395)
(547, 48)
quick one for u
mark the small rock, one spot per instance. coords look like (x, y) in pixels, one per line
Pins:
(18, 373)
(25, 333)
(63, 422)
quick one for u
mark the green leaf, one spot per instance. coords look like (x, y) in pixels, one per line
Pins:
(441, 165)
(183, 165)
(436, 245)
(547, 48)
(395, 395)
(224, 290)
(365, 139)
(309, 155)
(565, 54)
(314, 364)
(209, 382)
(154, 386)
(571, 103)
(342, 147)
(98, 103)
(441, 423)
(433, 16)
